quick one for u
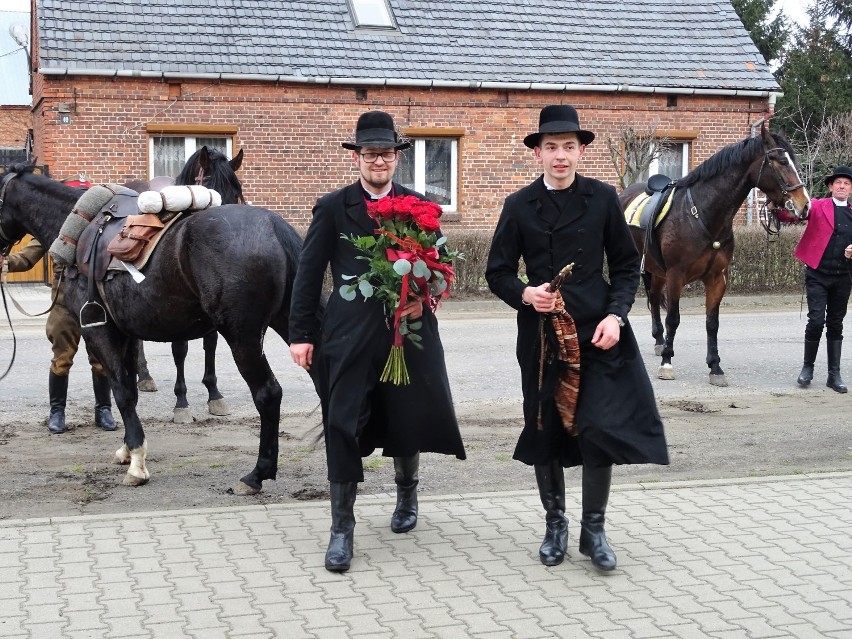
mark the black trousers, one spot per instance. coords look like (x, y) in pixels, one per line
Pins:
(827, 296)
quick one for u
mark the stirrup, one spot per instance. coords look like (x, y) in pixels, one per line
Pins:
(93, 324)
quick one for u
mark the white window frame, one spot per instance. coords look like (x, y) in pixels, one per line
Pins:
(355, 5)
(189, 146)
(654, 167)
(419, 148)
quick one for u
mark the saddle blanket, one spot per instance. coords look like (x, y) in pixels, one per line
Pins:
(636, 215)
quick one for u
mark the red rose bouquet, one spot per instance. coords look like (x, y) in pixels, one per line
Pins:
(405, 264)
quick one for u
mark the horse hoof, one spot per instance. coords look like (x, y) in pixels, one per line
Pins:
(147, 385)
(218, 407)
(666, 371)
(658, 350)
(718, 380)
(132, 480)
(245, 490)
(183, 415)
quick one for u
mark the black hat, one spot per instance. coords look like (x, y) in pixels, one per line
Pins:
(558, 118)
(375, 130)
(840, 171)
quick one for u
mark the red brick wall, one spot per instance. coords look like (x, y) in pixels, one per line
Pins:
(14, 124)
(292, 133)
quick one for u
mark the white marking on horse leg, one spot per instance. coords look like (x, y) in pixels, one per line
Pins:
(666, 371)
(122, 455)
(137, 474)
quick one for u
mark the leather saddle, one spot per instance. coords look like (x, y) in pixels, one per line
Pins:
(647, 210)
(92, 256)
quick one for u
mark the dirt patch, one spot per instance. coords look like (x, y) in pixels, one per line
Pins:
(197, 465)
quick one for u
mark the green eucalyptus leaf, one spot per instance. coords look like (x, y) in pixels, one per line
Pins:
(348, 277)
(347, 292)
(415, 326)
(366, 289)
(402, 266)
(420, 269)
(441, 241)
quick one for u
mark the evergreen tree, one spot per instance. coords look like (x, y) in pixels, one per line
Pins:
(769, 35)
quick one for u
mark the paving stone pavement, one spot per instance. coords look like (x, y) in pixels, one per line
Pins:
(767, 557)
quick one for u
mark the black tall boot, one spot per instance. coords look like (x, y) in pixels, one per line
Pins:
(405, 516)
(57, 386)
(551, 488)
(338, 557)
(834, 382)
(103, 405)
(593, 543)
(807, 374)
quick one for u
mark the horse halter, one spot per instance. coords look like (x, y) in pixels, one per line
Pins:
(6, 243)
(786, 189)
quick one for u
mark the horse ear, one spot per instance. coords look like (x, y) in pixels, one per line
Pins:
(237, 162)
(204, 158)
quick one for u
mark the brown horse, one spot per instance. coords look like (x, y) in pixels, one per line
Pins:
(696, 239)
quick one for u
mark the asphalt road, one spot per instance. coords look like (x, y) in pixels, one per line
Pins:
(760, 343)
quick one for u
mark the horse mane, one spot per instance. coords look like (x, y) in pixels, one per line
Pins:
(221, 178)
(737, 153)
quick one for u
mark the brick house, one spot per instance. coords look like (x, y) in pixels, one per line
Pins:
(128, 89)
(15, 101)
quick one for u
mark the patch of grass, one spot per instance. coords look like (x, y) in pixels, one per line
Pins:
(79, 468)
(374, 463)
(217, 465)
(504, 457)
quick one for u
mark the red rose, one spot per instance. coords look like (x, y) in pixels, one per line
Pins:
(428, 223)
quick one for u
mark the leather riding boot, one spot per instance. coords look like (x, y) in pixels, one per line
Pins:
(103, 405)
(405, 515)
(593, 543)
(807, 374)
(835, 382)
(57, 386)
(338, 557)
(551, 488)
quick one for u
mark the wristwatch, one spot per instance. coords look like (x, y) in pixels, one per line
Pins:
(617, 319)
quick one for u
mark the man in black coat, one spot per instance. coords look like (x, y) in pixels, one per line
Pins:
(346, 349)
(564, 217)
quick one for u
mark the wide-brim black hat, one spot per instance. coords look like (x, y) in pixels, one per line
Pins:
(375, 130)
(558, 118)
(840, 171)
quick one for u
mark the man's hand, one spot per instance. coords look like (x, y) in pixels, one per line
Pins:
(539, 298)
(847, 252)
(607, 333)
(302, 354)
(413, 309)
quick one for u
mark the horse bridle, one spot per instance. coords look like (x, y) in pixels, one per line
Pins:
(786, 189)
(6, 243)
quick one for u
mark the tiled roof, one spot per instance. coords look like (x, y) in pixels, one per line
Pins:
(685, 44)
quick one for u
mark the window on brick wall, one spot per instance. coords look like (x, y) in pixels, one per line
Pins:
(167, 154)
(430, 167)
(673, 161)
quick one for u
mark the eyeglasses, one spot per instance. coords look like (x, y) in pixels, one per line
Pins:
(387, 156)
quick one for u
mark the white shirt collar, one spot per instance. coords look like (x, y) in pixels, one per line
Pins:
(839, 203)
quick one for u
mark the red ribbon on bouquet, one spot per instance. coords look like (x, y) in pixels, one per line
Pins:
(412, 251)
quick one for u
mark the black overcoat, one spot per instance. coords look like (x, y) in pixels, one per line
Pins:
(352, 343)
(617, 418)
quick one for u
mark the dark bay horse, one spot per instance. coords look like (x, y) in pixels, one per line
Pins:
(212, 169)
(228, 269)
(696, 240)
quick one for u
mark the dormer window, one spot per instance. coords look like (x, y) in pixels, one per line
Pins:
(372, 13)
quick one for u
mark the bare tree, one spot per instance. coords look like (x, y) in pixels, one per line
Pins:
(633, 150)
(836, 141)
